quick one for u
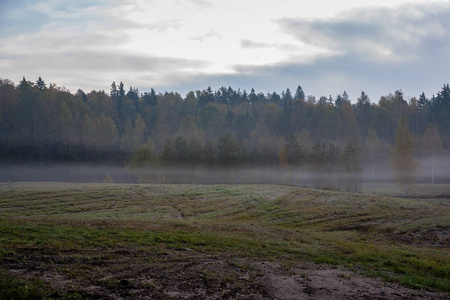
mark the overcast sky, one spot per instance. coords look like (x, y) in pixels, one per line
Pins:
(323, 45)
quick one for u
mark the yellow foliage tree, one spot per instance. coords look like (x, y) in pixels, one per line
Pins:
(404, 162)
(431, 145)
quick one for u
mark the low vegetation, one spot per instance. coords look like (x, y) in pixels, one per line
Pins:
(81, 240)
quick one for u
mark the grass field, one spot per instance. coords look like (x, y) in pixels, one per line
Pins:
(74, 241)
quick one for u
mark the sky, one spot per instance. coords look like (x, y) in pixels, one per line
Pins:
(327, 47)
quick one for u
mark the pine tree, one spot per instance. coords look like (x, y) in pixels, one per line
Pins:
(363, 113)
(252, 98)
(150, 98)
(345, 97)
(121, 89)
(41, 84)
(423, 102)
(113, 93)
(287, 96)
(299, 94)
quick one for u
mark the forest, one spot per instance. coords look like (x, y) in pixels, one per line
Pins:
(222, 130)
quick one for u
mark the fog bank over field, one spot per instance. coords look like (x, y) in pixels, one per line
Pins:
(371, 172)
(62, 173)
(381, 171)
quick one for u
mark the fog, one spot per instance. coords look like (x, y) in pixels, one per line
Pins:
(372, 172)
(63, 173)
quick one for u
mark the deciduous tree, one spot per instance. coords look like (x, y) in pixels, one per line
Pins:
(142, 161)
(405, 164)
(351, 160)
(431, 145)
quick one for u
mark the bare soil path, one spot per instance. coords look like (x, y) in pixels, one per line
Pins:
(188, 274)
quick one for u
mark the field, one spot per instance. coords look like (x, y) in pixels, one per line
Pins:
(118, 241)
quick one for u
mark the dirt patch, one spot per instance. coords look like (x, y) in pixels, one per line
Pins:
(155, 273)
(310, 281)
(430, 237)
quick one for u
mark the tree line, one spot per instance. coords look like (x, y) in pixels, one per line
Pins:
(212, 129)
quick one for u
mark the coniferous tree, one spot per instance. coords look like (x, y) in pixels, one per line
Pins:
(345, 97)
(330, 100)
(121, 91)
(363, 113)
(299, 94)
(81, 95)
(205, 97)
(338, 101)
(41, 84)
(189, 106)
(286, 113)
(252, 97)
(440, 109)
(113, 92)
(150, 98)
(423, 102)
(133, 94)
(8, 104)
(30, 124)
(244, 97)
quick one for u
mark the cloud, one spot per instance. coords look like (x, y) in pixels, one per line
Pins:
(87, 56)
(248, 44)
(95, 69)
(15, 18)
(148, 44)
(382, 35)
(82, 9)
(327, 76)
(377, 50)
(202, 37)
(163, 25)
(202, 4)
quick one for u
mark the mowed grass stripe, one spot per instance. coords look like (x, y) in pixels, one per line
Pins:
(381, 235)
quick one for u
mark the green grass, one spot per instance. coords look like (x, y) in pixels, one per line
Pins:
(399, 239)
